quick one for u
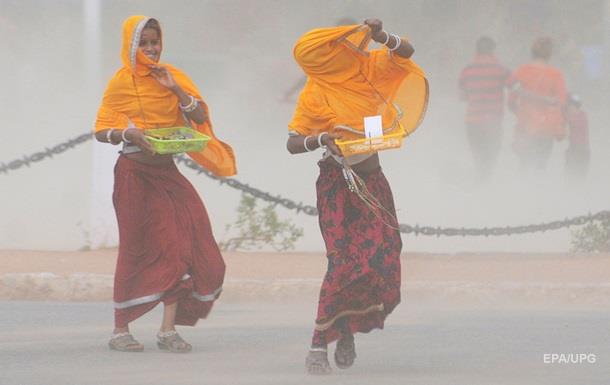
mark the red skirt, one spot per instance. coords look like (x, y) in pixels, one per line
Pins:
(362, 283)
(167, 252)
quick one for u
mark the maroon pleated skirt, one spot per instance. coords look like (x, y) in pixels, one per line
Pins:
(167, 252)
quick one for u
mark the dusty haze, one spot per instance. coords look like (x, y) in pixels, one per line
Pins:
(56, 62)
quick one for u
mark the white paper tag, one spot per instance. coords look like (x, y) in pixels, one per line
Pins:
(372, 126)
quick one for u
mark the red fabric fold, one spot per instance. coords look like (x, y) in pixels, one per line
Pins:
(167, 251)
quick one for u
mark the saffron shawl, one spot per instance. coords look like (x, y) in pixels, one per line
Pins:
(347, 82)
(133, 98)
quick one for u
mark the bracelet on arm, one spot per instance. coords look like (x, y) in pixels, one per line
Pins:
(305, 144)
(397, 44)
(320, 139)
(123, 136)
(192, 106)
(109, 136)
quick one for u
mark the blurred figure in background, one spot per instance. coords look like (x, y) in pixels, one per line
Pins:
(578, 152)
(482, 85)
(538, 99)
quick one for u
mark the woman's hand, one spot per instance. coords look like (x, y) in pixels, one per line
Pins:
(137, 137)
(328, 140)
(376, 27)
(163, 76)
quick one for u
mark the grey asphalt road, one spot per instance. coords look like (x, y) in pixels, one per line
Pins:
(51, 343)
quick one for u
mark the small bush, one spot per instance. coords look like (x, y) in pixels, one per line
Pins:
(592, 238)
(257, 227)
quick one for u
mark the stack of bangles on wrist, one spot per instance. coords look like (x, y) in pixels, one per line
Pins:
(192, 106)
(109, 136)
(397, 41)
(123, 136)
(320, 144)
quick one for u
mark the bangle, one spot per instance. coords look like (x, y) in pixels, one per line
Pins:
(109, 136)
(398, 43)
(387, 38)
(305, 144)
(192, 106)
(123, 136)
(320, 139)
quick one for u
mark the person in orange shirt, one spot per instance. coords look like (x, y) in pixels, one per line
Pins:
(347, 83)
(167, 252)
(538, 98)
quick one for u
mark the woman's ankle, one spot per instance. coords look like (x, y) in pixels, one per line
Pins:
(120, 330)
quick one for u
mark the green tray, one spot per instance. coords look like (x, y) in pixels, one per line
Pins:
(187, 140)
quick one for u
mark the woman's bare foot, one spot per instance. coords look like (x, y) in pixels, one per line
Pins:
(317, 363)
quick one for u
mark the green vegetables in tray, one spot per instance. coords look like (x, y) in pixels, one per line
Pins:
(175, 140)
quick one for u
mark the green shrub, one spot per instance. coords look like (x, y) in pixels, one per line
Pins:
(258, 227)
(593, 237)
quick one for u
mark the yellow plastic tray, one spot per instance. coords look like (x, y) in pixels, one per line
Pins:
(175, 140)
(366, 145)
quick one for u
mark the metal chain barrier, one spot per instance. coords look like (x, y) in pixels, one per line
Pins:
(508, 230)
(26, 160)
(406, 229)
(234, 183)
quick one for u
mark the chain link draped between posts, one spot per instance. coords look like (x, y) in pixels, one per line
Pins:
(234, 183)
(299, 207)
(48, 152)
(507, 230)
(404, 228)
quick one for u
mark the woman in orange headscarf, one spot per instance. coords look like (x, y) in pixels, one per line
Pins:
(345, 84)
(167, 252)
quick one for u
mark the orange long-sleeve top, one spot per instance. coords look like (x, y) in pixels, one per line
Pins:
(538, 99)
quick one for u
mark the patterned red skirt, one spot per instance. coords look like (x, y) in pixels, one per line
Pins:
(167, 252)
(362, 283)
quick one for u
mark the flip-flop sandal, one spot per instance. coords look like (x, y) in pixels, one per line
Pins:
(317, 363)
(345, 353)
(124, 342)
(172, 342)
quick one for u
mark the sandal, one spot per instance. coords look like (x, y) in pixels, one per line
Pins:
(345, 353)
(172, 342)
(124, 342)
(317, 363)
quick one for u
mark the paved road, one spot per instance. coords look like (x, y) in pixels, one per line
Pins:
(51, 343)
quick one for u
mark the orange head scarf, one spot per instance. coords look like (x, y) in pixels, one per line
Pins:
(346, 83)
(134, 98)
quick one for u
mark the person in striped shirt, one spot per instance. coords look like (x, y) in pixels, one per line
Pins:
(482, 87)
